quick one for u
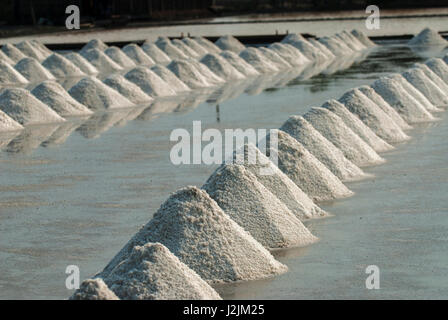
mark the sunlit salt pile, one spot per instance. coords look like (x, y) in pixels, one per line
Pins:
(352, 43)
(287, 54)
(323, 49)
(155, 53)
(40, 46)
(185, 49)
(426, 86)
(25, 108)
(254, 57)
(137, 55)
(169, 77)
(101, 61)
(308, 50)
(188, 74)
(273, 56)
(5, 58)
(239, 64)
(200, 50)
(428, 37)
(8, 124)
(152, 272)
(439, 67)
(127, 89)
(12, 52)
(372, 116)
(53, 95)
(149, 82)
(95, 44)
(93, 289)
(211, 77)
(305, 170)
(363, 38)
(82, 63)
(292, 37)
(333, 158)
(337, 47)
(230, 43)
(29, 50)
(119, 57)
(196, 230)
(173, 52)
(33, 71)
(9, 75)
(208, 45)
(95, 95)
(434, 77)
(248, 202)
(221, 67)
(60, 67)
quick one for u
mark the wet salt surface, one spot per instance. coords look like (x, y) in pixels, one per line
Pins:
(80, 202)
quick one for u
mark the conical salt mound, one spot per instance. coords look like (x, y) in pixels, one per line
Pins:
(120, 57)
(293, 37)
(101, 61)
(308, 50)
(355, 46)
(305, 170)
(428, 37)
(380, 102)
(185, 49)
(149, 82)
(191, 43)
(256, 59)
(29, 50)
(82, 63)
(155, 53)
(286, 53)
(169, 77)
(33, 71)
(26, 109)
(172, 51)
(296, 52)
(322, 48)
(354, 40)
(8, 124)
(207, 73)
(208, 45)
(372, 116)
(95, 44)
(434, 77)
(61, 67)
(363, 38)
(53, 94)
(357, 126)
(5, 58)
(239, 64)
(221, 67)
(401, 100)
(137, 55)
(127, 89)
(41, 47)
(230, 43)
(152, 272)
(439, 67)
(445, 58)
(95, 95)
(279, 62)
(322, 149)
(196, 230)
(9, 75)
(188, 74)
(93, 289)
(335, 46)
(12, 52)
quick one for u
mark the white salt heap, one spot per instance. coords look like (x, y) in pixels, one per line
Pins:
(101, 61)
(93, 289)
(279, 62)
(221, 67)
(95, 95)
(230, 43)
(185, 49)
(426, 86)
(41, 47)
(322, 149)
(79, 61)
(155, 53)
(152, 272)
(9, 75)
(26, 109)
(200, 50)
(94, 44)
(188, 74)
(363, 38)
(137, 55)
(196, 230)
(357, 126)
(33, 71)
(28, 49)
(336, 46)
(428, 37)
(308, 50)
(433, 76)
(292, 37)
(211, 77)
(173, 52)
(239, 64)
(53, 94)
(250, 204)
(293, 58)
(169, 77)
(334, 129)
(257, 59)
(120, 57)
(127, 89)
(372, 116)
(208, 45)
(149, 82)
(5, 58)
(352, 44)
(439, 67)
(12, 52)
(399, 99)
(8, 124)
(307, 172)
(323, 49)
(61, 67)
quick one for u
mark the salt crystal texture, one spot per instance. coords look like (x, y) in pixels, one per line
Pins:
(95, 44)
(8, 124)
(12, 52)
(323, 49)
(239, 64)
(172, 51)
(188, 74)
(208, 45)
(152, 272)
(435, 78)
(335, 46)
(5, 58)
(137, 55)
(348, 35)
(427, 87)
(230, 43)
(61, 67)
(363, 38)
(101, 61)
(155, 53)
(196, 230)
(200, 50)
(9, 75)
(439, 67)
(149, 82)
(427, 37)
(279, 62)
(185, 49)
(93, 289)
(207, 73)
(258, 60)
(33, 71)
(287, 54)
(308, 50)
(355, 46)
(79, 61)
(29, 50)
(169, 77)
(221, 67)
(127, 89)
(119, 57)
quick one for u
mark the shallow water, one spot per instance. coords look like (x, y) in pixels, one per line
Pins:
(75, 195)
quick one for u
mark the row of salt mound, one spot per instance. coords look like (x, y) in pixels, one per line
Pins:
(127, 89)
(53, 94)
(428, 37)
(149, 82)
(293, 56)
(352, 42)
(82, 63)
(120, 57)
(33, 71)
(322, 48)
(185, 49)
(30, 50)
(257, 59)
(322, 149)
(101, 61)
(208, 45)
(94, 44)
(273, 56)
(196, 230)
(8, 124)
(9, 75)
(169, 77)
(12, 52)
(155, 53)
(239, 63)
(336, 46)
(25, 108)
(93, 289)
(428, 83)
(173, 52)
(438, 81)
(207, 73)
(5, 58)
(137, 55)
(372, 115)
(221, 67)
(191, 43)
(292, 37)
(363, 38)
(230, 43)
(308, 50)
(188, 74)
(61, 67)
(439, 67)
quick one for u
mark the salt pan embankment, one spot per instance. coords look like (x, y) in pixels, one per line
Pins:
(221, 67)
(169, 77)
(119, 57)
(230, 43)
(149, 82)
(33, 71)
(239, 64)
(101, 61)
(428, 37)
(82, 63)
(61, 67)
(155, 53)
(137, 55)
(127, 89)
(93, 289)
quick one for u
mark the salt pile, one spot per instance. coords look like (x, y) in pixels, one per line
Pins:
(40, 46)
(257, 59)
(208, 45)
(149, 82)
(188, 74)
(221, 67)
(155, 53)
(323, 49)
(60, 67)
(372, 116)
(9, 75)
(93, 289)
(445, 58)
(101, 61)
(29, 50)
(308, 50)
(439, 67)
(8, 124)
(279, 62)
(326, 152)
(207, 73)
(169, 77)
(166, 46)
(26, 109)
(230, 43)
(239, 64)
(255, 208)
(292, 37)
(399, 99)
(95, 95)
(380, 102)
(119, 57)
(33, 71)
(196, 230)
(94, 44)
(185, 49)
(200, 50)
(5, 58)
(287, 54)
(152, 272)
(335, 46)
(137, 55)
(428, 37)
(352, 44)
(363, 38)
(79, 61)
(426, 86)
(53, 94)
(357, 126)
(433, 76)
(12, 52)
(127, 89)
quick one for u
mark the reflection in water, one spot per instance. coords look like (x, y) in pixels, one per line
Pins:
(62, 133)
(101, 122)
(6, 137)
(31, 138)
